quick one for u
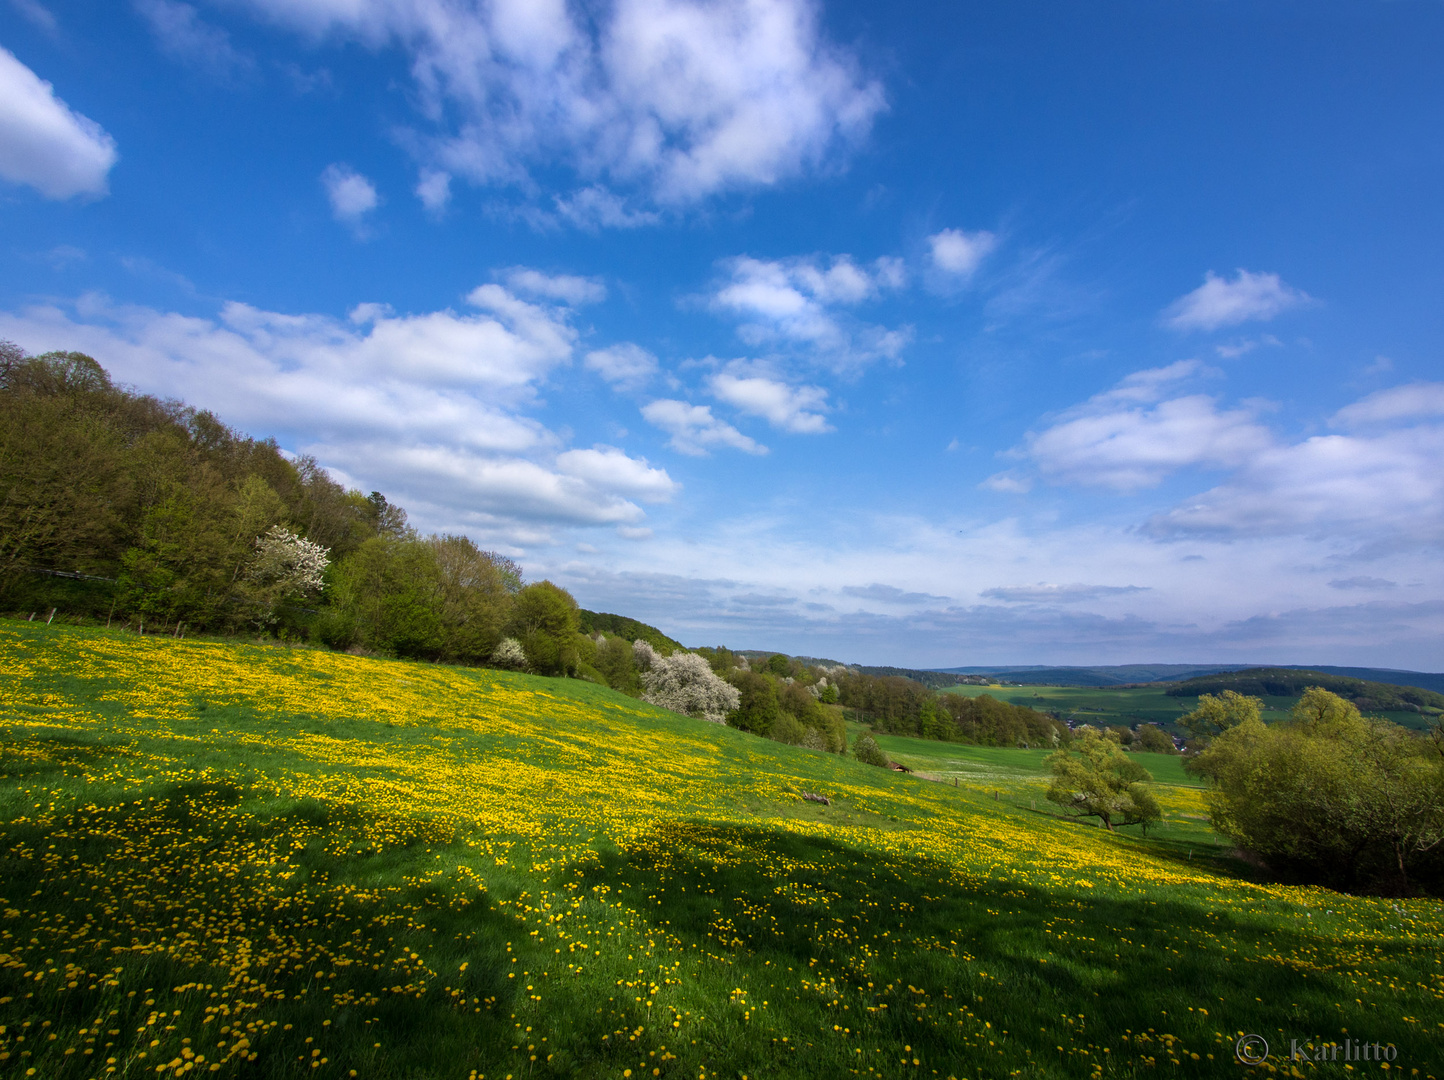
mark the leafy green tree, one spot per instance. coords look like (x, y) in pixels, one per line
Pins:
(757, 709)
(1215, 714)
(1330, 795)
(391, 590)
(1154, 740)
(867, 751)
(1096, 778)
(779, 664)
(475, 600)
(545, 621)
(616, 663)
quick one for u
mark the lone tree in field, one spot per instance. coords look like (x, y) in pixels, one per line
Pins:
(1096, 778)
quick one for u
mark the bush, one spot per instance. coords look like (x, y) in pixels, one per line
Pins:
(686, 683)
(509, 655)
(867, 751)
(1331, 796)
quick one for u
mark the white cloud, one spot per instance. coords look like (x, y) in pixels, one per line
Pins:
(433, 188)
(1220, 302)
(37, 14)
(626, 366)
(680, 98)
(595, 207)
(1416, 401)
(567, 288)
(797, 409)
(43, 143)
(1044, 593)
(693, 428)
(961, 253)
(1008, 483)
(352, 195)
(1382, 489)
(185, 36)
(795, 300)
(430, 408)
(612, 470)
(1127, 438)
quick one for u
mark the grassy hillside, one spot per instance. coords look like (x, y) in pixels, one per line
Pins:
(260, 862)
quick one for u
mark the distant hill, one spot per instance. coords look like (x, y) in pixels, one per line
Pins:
(1422, 679)
(601, 622)
(1118, 675)
(1123, 674)
(1287, 682)
(934, 679)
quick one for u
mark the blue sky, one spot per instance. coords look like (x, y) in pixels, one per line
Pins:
(912, 333)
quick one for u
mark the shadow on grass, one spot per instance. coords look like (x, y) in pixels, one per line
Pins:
(911, 951)
(199, 896)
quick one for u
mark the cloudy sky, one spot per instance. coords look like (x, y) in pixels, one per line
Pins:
(921, 334)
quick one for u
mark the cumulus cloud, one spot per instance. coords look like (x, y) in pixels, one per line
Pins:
(430, 407)
(1044, 593)
(433, 188)
(46, 145)
(612, 470)
(798, 300)
(1416, 401)
(185, 36)
(797, 409)
(352, 196)
(961, 253)
(1222, 302)
(1383, 488)
(567, 288)
(626, 366)
(595, 207)
(679, 98)
(694, 429)
(1127, 439)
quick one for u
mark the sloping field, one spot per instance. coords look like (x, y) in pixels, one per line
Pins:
(260, 862)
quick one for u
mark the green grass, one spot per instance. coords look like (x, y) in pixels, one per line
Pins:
(1140, 705)
(304, 864)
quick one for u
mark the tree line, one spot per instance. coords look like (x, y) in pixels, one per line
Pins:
(148, 513)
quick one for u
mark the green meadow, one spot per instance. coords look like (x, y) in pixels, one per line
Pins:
(1133, 705)
(254, 861)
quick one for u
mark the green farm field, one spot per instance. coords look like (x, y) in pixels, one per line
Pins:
(1140, 705)
(253, 861)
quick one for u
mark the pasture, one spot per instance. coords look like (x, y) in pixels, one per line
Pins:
(254, 861)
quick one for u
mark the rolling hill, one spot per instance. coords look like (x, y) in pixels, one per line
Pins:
(262, 861)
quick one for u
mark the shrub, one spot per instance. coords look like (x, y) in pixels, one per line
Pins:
(509, 655)
(867, 751)
(686, 683)
(1330, 796)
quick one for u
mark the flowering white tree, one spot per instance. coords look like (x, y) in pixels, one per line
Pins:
(292, 565)
(644, 655)
(510, 655)
(283, 567)
(685, 683)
